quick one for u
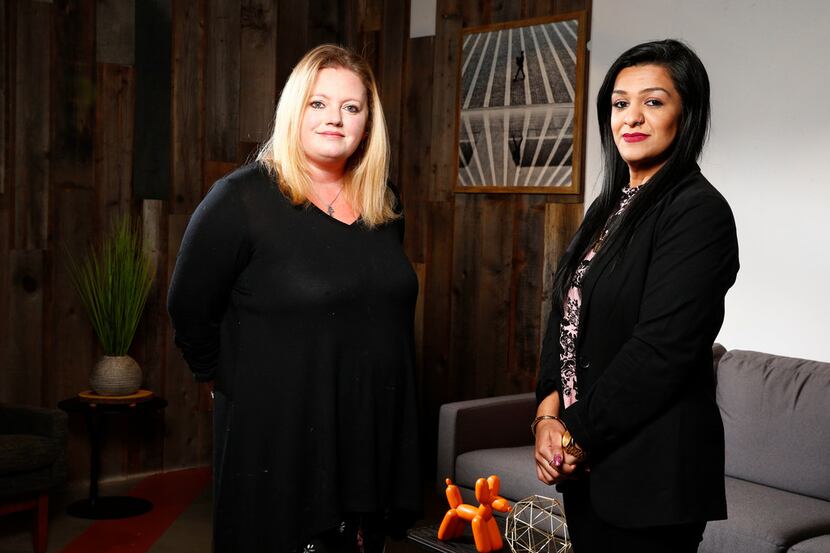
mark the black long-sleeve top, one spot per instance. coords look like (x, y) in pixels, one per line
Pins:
(306, 325)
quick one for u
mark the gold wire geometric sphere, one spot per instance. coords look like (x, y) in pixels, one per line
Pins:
(537, 525)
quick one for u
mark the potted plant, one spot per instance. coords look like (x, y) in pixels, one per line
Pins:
(114, 282)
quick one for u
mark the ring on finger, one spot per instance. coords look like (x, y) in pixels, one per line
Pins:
(556, 461)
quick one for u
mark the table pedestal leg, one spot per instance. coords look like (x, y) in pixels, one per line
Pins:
(100, 508)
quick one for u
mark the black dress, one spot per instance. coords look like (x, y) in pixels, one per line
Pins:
(306, 325)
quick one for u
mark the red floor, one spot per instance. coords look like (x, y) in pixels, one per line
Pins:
(171, 493)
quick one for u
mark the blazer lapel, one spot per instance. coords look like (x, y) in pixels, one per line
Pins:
(601, 262)
(604, 261)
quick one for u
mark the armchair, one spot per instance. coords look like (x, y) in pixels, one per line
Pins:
(32, 461)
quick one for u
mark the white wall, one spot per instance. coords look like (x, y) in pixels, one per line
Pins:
(768, 152)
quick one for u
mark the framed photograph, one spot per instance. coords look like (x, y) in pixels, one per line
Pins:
(521, 105)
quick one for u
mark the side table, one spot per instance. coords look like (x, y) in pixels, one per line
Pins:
(93, 407)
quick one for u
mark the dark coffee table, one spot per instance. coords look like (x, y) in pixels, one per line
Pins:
(427, 538)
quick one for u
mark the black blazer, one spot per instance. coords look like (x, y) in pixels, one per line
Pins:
(646, 411)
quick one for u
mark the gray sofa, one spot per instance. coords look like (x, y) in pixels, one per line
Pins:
(776, 415)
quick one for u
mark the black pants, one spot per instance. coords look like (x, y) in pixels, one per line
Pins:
(591, 534)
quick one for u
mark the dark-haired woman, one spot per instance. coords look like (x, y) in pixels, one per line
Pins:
(627, 421)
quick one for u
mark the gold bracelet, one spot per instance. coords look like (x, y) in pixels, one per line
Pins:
(541, 418)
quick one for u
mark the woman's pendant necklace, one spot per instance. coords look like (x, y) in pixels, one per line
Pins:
(329, 208)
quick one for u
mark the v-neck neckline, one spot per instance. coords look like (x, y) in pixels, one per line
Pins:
(332, 218)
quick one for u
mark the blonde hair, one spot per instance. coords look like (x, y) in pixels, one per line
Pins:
(364, 182)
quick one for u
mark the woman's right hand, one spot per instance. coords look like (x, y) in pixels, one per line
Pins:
(551, 467)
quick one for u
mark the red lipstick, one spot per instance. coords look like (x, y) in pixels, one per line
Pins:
(634, 137)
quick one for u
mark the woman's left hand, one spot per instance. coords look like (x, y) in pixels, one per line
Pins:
(553, 465)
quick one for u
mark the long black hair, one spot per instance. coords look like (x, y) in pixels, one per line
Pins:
(692, 83)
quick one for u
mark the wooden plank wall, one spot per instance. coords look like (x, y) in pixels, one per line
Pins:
(486, 266)
(67, 120)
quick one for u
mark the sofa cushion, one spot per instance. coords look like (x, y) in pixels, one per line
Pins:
(514, 466)
(820, 544)
(25, 452)
(774, 413)
(765, 520)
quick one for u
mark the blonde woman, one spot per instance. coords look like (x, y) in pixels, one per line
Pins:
(293, 295)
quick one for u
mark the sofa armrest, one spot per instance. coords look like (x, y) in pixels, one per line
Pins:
(463, 426)
(717, 352)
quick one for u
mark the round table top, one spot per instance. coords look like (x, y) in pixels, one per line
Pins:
(87, 400)
(137, 397)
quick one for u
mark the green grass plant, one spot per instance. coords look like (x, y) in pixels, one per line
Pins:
(113, 282)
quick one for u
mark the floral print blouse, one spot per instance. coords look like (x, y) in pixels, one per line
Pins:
(569, 326)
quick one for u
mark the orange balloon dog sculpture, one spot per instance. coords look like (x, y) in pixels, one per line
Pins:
(485, 530)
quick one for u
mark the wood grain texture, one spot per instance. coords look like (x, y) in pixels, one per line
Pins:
(215, 170)
(151, 129)
(142, 449)
(115, 31)
(466, 283)
(78, 449)
(222, 83)
(5, 97)
(476, 12)
(564, 6)
(414, 240)
(436, 373)
(114, 443)
(292, 37)
(32, 123)
(347, 14)
(506, 10)
(114, 142)
(369, 46)
(150, 340)
(73, 346)
(188, 98)
(258, 69)
(72, 85)
(483, 244)
(526, 289)
(23, 378)
(541, 8)
(8, 43)
(444, 101)
(7, 389)
(494, 236)
(391, 74)
(370, 15)
(416, 144)
(247, 151)
(324, 22)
